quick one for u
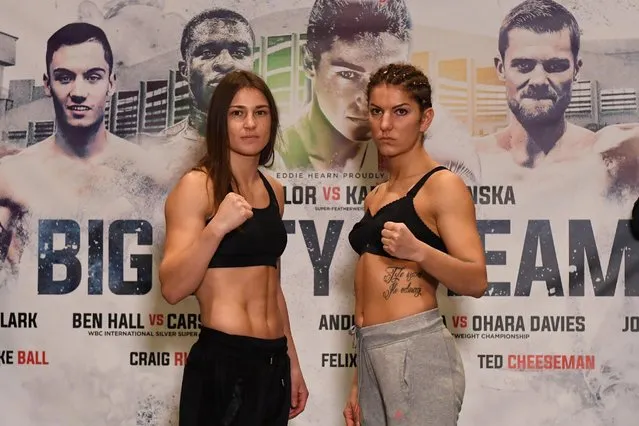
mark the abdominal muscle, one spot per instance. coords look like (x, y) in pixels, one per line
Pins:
(241, 301)
(390, 289)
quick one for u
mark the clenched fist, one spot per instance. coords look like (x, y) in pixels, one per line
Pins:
(232, 212)
(398, 241)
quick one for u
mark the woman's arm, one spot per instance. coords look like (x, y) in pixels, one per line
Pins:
(190, 242)
(463, 268)
(299, 391)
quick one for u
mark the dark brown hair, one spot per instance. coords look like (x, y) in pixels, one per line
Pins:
(408, 77)
(218, 14)
(217, 160)
(542, 17)
(77, 33)
(330, 20)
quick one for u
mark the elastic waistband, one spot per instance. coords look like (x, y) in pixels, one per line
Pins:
(423, 322)
(244, 344)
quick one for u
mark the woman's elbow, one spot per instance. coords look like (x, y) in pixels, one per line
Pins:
(480, 286)
(169, 291)
(170, 295)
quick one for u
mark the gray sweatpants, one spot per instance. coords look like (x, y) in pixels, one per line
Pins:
(410, 373)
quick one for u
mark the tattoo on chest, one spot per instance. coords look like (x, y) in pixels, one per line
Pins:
(401, 281)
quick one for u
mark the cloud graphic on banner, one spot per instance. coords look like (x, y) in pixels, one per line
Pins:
(154, 411)
(612, 19)
(449, 143)
(248, 8)
(6, 149)
(112, 7)
(137, 29)
(109, 390)
(602, 13)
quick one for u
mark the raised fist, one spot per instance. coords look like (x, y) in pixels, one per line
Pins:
(232, 212)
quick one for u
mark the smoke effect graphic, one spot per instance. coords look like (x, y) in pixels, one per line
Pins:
(137, 30)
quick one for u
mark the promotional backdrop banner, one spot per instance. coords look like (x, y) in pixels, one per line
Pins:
(535, 108)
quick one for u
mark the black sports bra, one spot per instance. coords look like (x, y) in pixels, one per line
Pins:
(366, 235)
(260, 240)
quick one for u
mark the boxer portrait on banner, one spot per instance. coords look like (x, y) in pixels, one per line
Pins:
(82, 169)
(214, 42)
(619, 148)
(346, 43)
(539, 61)
(563, 174)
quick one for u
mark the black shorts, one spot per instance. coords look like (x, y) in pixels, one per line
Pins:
(236, 381)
